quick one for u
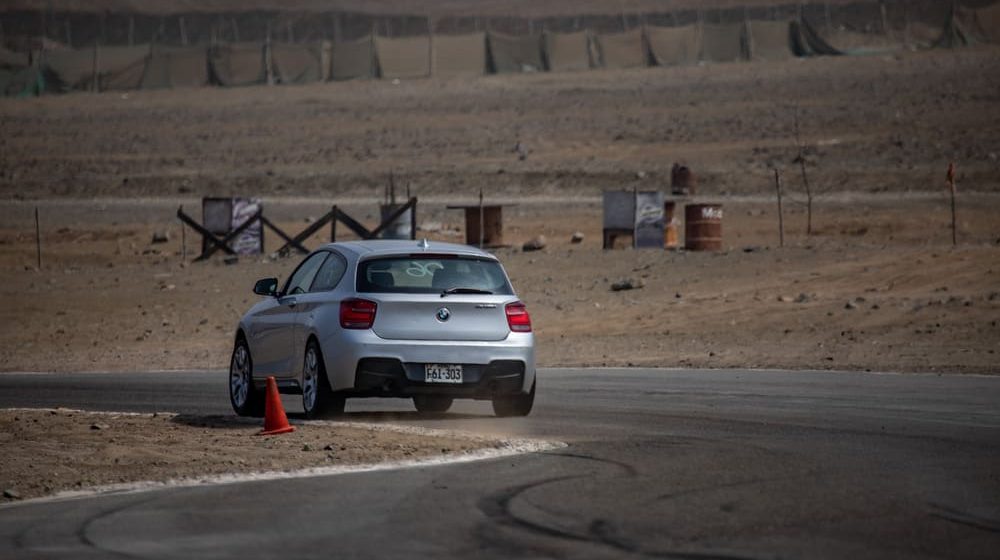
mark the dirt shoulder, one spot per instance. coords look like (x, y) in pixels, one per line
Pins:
(46, 452)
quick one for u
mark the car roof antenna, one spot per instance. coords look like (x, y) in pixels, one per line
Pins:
(423, 244)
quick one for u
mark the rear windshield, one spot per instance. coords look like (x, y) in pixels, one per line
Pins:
(431, 275)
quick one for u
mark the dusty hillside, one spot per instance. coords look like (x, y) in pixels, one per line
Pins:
(869, 124)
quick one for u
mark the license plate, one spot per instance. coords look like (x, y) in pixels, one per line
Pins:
(443, 373)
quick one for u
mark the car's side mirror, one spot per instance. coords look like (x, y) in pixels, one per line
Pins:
(266, 287)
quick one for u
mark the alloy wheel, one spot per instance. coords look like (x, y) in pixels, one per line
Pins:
(239, 376)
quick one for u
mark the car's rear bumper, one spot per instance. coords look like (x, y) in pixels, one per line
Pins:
(388, 377)
(361, 363)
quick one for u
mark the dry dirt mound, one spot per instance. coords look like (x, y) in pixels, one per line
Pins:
(51, 451)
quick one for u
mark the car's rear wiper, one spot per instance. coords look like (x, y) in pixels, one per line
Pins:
(450, 291)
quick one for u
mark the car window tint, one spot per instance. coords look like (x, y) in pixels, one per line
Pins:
(330, 273)
(431, 275)
(303, 276)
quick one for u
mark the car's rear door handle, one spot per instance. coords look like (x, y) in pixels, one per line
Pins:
(290, 302)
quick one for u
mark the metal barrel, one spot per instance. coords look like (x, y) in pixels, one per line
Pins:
(399, 229)
(703, 227)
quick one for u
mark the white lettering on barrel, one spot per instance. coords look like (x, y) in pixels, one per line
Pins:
(709, 213)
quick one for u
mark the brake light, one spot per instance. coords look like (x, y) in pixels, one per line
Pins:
(357, 313)
(517, 317)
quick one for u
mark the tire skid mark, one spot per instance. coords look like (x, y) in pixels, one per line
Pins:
(82, 532)
(21, 542)
(498, 508)
(604, 531)
(629, 469)
(600, 532)
(963, 518)
(736, 484)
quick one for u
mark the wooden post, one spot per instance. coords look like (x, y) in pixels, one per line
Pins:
(69, 34)
(781, 216)
(326, 60)
(236, 30)
(95, 77)
(431, 66)
(335, 215)
(184, 245)
(805, 177)
(482, 218)
(374, 70)
(906, 22)
(748, 29)
(184, 35)
(413, 214)
(131, 30)
(268, 64)
(885, 17)
(38, 240)
(951, 187)
(290, 36)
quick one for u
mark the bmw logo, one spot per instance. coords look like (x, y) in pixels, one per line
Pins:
(443, 314)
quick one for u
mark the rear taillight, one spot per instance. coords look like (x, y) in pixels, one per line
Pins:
(517, 317)
(357, 313)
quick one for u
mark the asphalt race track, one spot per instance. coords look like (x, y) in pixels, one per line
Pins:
(660, 463)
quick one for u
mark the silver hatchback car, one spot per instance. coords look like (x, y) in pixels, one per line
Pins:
(423, 320)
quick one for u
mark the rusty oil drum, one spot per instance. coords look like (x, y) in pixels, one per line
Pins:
(703, 227)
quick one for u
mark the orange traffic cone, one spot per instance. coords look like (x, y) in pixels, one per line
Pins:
(275, 421)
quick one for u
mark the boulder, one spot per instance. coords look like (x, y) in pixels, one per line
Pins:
(536, 244)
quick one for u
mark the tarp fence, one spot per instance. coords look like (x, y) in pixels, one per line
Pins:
(622, 50)
(458, 55)
(509, 53)
(565, 52)
(403, 57)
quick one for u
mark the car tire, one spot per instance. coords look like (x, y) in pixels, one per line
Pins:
(247, 399)
(516, 405)
(432, 403)
(318, 400)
